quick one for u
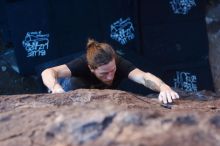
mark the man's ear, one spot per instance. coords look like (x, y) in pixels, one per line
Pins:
(92, 70)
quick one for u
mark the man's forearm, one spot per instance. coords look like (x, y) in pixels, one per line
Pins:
(152, 82)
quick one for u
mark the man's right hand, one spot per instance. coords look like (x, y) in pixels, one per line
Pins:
(57, 89)
(50, 76)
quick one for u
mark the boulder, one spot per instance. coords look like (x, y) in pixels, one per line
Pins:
(109, 118)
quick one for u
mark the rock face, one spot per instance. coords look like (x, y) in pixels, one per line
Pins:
(108, 118)
(213, 25)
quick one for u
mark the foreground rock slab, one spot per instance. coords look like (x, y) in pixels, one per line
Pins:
(108, 118)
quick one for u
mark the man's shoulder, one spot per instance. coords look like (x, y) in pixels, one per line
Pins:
(81, 58)
(122, 60)
(119, 58)
(124, 65)
(78, 61)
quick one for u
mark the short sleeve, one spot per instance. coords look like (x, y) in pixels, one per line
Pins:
(124, 66)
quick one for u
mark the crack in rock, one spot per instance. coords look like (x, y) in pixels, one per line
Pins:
(186, 120)
(11, 137)
(92, 130)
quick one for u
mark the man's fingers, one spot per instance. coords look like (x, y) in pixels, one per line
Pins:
(58, 90)
(169, 97)
(174, 95)
(162, 97)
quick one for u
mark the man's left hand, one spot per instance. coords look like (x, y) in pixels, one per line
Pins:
(167, 94)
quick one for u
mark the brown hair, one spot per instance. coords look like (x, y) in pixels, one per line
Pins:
(99, 54)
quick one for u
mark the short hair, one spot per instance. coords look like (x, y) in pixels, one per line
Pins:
(98, 54)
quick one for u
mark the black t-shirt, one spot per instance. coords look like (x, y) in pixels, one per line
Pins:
(79, 68)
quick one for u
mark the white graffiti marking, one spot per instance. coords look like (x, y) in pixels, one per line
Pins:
(36, 44)
(122, 31)
(185, 81)
(182, 6)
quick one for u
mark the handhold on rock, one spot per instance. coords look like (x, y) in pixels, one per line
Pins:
(167, 105)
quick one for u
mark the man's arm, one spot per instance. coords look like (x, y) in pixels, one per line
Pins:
(50, 76)
(154, 83)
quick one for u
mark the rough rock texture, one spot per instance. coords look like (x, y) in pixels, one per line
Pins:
(108, 118)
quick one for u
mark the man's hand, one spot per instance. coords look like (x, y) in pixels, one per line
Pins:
(167, 94)
(57, 89)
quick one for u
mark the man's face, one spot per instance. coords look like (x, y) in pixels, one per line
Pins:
(106, 72)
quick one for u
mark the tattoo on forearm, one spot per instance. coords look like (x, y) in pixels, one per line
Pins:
(152, 85)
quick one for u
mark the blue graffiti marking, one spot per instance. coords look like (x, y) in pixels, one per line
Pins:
(182, 6)
(36, 44)
(185, 81)
(122, 31)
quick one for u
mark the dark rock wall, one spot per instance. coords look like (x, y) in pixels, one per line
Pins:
(213, 25)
